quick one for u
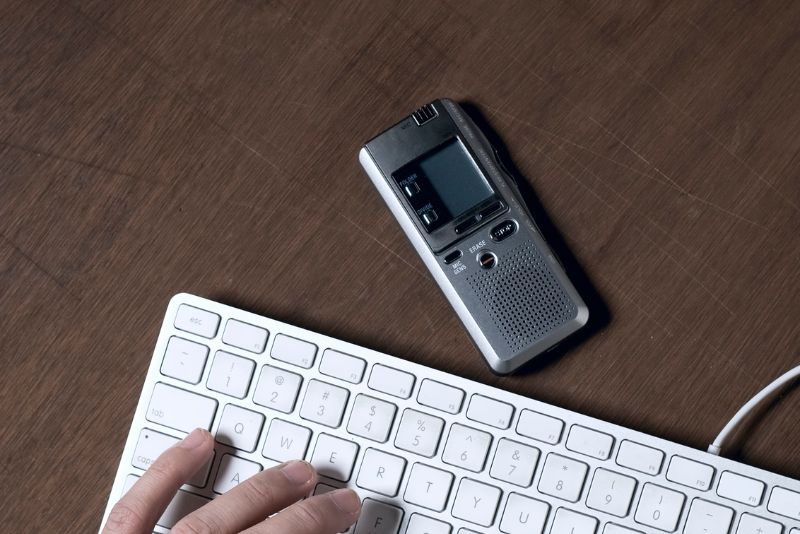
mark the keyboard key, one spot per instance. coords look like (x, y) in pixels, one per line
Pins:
(419, 432)
(381, 472)
(784, 502)
(751, 524)
(180, 409)
(659, 507)
(240, 428)
(428, 487)
(391, 381)
(233, 471)
(150, 446)
(611, 492)
(184, 360)
(230, 374)
(334, 457)
(277, 389)
(476, 502)
(708, 518)
(294, 351)
(196, 321)
(421, 524)
(245, 336)
(563, 477)
(490, 412)
(640, 458)
(286, 441)
(741, 489)
(523, 515)
(378, 518)
(589, 442)
(322, 489)
(440, 396)
(514, 463)
(324, 403)
(342, 366)
(540, 427)
(611, 528)
(183, 504)
(569, 522)
(371, 418)
(466, 448)
(690, 473)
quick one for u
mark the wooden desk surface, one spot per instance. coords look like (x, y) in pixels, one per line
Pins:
(148, 148)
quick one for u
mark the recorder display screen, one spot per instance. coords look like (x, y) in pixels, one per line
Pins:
(455, 177)
(443, 184)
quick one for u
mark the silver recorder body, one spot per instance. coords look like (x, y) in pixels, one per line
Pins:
(464, 215)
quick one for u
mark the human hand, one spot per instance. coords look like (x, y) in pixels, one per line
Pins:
(246, 508)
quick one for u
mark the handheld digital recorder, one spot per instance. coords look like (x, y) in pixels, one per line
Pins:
(464, 215)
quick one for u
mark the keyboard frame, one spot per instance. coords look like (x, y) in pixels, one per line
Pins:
(470, 388)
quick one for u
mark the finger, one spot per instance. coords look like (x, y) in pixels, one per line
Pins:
(323, 514)
(140, 508)
(251, 501)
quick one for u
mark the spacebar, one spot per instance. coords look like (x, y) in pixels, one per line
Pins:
(180, 409)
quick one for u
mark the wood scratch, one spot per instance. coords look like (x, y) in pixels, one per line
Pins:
(716, 141)
(675, 184)
(87, 164)
(382, 245)
(638, 155)
(177, 94)
(633, 301)
(251, 149)
(52, 277)
(682, 268)
(631, 205)
(576, 145)
(575, 178)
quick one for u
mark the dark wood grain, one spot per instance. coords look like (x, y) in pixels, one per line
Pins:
(148, 148)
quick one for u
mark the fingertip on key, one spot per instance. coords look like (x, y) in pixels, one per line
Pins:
(298, 472)
(346, 500)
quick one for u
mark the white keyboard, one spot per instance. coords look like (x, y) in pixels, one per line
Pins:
(429, 452)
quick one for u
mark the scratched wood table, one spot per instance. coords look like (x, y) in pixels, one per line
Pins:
(148, 148)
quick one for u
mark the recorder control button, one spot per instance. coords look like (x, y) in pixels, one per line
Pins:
(453, 256)
(490, 210)
(411, 189)
(487, 260)
(466, 225)
(429, 217)
(503, 230)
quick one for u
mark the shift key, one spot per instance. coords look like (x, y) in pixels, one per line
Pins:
(180, 409)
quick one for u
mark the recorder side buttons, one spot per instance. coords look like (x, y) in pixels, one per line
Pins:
(487, 260)
(503, 230)
(453, 256)
(411, 189)
(429, 217)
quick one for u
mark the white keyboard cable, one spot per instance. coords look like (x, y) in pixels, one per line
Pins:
(766, 393)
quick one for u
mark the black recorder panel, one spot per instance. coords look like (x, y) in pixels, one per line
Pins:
(463, 213)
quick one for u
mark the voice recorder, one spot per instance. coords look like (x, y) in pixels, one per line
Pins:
(463, 213)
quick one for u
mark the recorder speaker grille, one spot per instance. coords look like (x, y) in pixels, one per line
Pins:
(523, 297)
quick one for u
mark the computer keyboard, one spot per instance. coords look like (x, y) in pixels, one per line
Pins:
(429, 452)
